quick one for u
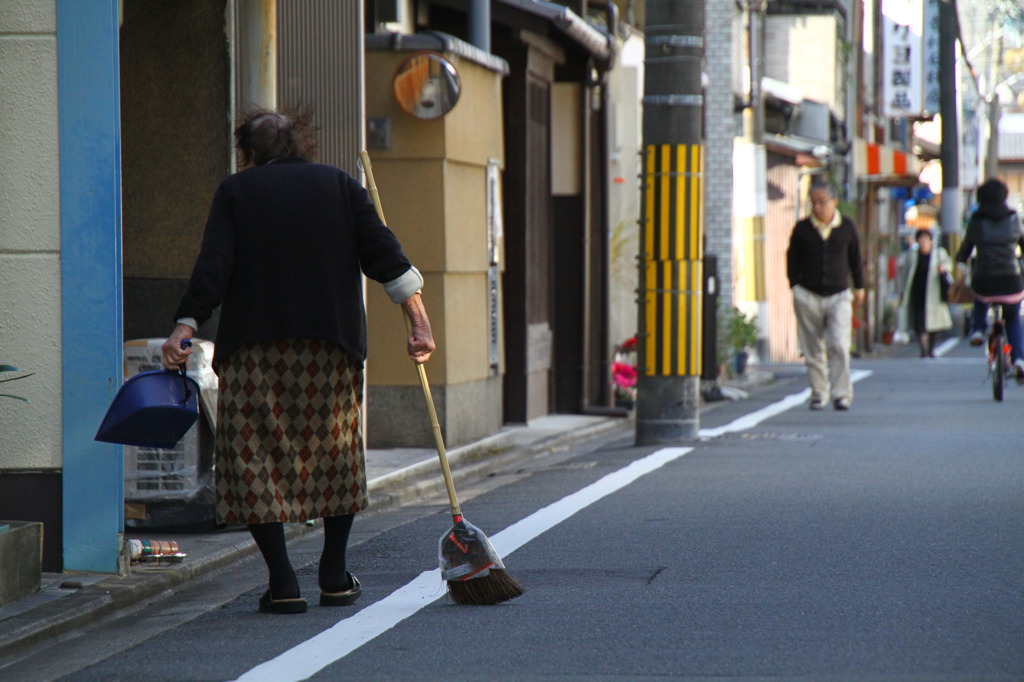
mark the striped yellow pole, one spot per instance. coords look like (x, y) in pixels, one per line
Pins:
(673, 259)
(672, 252)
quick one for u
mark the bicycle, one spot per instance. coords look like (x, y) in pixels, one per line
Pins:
(998, 346)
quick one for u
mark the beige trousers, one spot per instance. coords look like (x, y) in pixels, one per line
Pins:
(824, 324)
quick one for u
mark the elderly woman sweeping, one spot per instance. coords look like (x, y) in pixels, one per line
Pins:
(285, 247)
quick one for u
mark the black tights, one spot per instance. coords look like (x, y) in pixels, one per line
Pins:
(332, 576)
(926, 342)
(269, 538)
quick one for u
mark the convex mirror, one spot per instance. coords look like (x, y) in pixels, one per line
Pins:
(426, 85)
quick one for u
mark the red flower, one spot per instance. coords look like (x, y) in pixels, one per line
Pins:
(623, 375)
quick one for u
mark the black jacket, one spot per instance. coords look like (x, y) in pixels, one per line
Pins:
(995, 233)
(282, 253)
(824, 267)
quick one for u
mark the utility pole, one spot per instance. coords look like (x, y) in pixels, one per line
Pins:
(994, 107)
(671, 234)
(949, 107)
(992, 148)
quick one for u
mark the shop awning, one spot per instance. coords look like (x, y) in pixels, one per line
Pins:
(884, 165)
(575, 27)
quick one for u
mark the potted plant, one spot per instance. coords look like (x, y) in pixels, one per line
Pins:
(889, 314)
(740, 334)
(624, 373)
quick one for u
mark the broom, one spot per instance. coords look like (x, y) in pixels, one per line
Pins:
(469, 563)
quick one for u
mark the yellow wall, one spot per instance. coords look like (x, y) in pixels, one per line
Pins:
(432, 185)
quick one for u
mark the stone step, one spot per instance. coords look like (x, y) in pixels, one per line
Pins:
(21, 559)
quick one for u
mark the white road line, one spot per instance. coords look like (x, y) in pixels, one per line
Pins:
(751, 420)
(306, 659)
(309, 657)
(946, 346)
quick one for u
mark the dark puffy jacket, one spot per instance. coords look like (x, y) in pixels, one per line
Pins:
(995, 236)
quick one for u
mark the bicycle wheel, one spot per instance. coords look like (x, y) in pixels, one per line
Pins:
(999, 365)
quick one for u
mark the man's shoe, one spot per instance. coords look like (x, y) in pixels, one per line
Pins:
(842, 404)
(1018, 370)
(977, 338)
(817, 405)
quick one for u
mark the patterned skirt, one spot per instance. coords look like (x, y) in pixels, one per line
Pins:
(289, 446)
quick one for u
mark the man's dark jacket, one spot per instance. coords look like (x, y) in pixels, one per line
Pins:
(824, 267)
(282, 254)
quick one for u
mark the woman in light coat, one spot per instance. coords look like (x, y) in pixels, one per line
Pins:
(921, 306)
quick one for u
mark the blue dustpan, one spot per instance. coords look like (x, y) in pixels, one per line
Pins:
(152, 409)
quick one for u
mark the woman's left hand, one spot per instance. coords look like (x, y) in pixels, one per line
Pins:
(420, 344)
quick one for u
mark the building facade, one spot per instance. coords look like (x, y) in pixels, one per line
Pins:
(118, 118)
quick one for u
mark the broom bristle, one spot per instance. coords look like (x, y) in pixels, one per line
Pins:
(495, 587)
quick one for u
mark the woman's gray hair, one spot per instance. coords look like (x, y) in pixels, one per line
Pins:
(265, 135)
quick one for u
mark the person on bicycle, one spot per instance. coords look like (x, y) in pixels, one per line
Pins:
(994, 233)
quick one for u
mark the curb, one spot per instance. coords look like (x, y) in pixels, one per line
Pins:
(95, 601)
(471, 462)
(113, 594)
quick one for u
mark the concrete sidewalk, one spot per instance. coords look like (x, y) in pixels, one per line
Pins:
(71, 600)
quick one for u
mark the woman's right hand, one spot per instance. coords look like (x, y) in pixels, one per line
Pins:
(173, 354)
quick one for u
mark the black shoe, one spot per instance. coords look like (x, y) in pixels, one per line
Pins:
(270, 605)
(841, 404)
(817, 405)
(343, 598)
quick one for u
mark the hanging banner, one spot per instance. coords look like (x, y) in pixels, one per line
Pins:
(931, 57)
(903, 58)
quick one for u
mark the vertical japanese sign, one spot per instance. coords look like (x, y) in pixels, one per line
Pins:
(931, 57)
(902, 58)
(494, 237)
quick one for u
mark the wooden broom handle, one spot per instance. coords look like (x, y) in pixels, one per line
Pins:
(453, 499)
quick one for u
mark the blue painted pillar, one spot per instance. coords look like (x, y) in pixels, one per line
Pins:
(88, 99)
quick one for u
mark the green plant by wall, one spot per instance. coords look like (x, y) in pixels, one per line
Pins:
(742, 330)
(736, 332)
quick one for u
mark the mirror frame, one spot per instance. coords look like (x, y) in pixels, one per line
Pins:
(410, 93)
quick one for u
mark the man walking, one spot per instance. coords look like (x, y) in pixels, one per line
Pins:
(823, 256)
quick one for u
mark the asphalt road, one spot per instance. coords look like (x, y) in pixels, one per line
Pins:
(884, 543)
